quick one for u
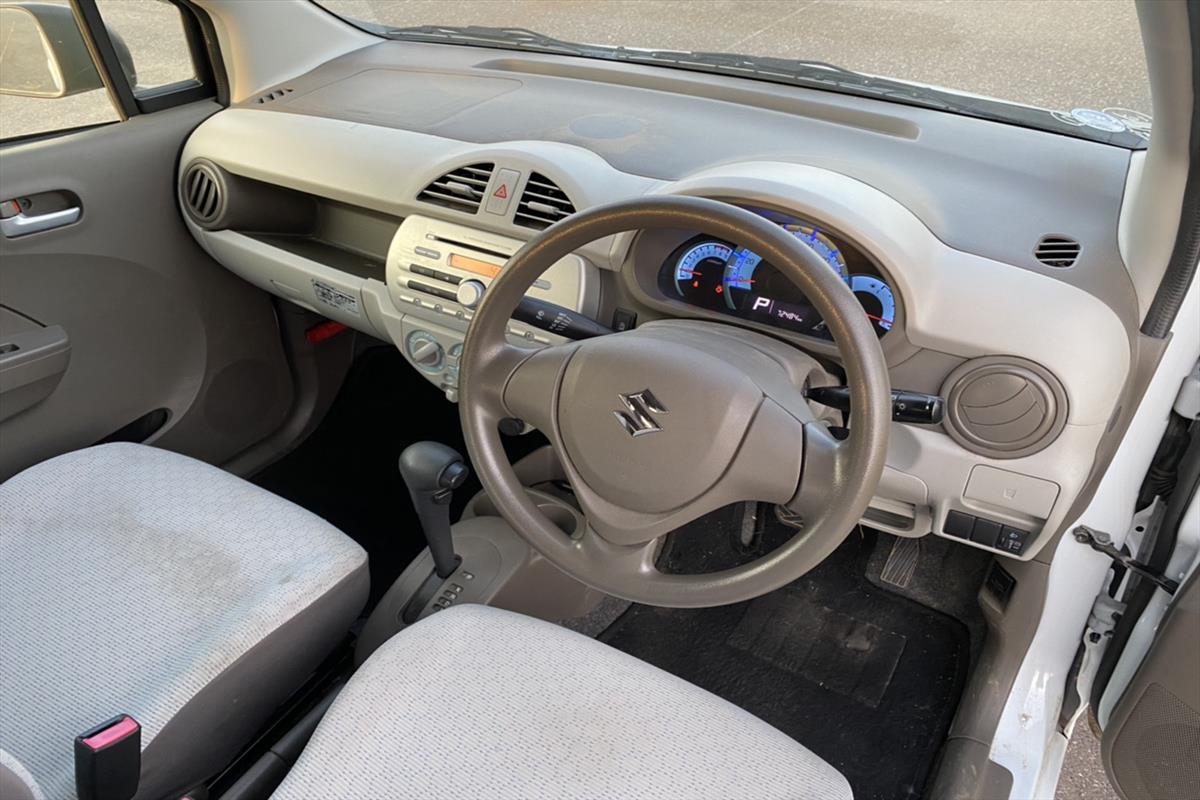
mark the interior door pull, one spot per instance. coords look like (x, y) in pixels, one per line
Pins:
(22, 224)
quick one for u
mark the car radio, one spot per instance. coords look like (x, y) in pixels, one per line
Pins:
(449, 267)
(437, 274)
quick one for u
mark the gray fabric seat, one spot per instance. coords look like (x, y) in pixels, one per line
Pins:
(478, 702)
(137, 581)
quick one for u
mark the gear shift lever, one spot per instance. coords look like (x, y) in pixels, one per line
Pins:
(432, 472)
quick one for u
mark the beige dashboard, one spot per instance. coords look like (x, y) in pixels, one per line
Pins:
(398, 228)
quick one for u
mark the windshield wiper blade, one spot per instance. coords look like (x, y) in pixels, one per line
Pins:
(483, 36)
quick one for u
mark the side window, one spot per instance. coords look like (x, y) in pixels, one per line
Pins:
(153, 40)
(49, 80)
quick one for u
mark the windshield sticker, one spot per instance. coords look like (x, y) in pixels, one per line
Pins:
(1135, 121)
(1099, 120)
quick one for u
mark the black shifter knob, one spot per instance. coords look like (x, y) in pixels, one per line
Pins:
(432, 472)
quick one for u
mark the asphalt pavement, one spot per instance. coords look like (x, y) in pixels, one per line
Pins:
(1057, 54)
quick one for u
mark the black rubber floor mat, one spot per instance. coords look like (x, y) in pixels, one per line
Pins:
(865, 679)
(849, 656)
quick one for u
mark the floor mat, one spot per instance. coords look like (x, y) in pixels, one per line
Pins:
(865, 679)
(346, 471)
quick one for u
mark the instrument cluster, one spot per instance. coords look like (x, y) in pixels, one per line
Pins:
(725, 277)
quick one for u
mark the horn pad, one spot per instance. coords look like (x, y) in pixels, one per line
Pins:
(652, 424)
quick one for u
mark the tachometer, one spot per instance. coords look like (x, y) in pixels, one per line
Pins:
(700, 269)
(877, 300)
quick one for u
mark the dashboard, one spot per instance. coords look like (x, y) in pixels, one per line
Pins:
(393, 216)
(713, 274)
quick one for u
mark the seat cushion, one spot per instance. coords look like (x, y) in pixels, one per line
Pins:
(135, 580)
(478, 702)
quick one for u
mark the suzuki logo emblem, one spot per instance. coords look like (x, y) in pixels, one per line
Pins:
(637, 419)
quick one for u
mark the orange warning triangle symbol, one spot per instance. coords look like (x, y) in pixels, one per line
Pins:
(502, 192)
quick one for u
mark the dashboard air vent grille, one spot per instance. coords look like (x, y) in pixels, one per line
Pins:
(1056, 251)
(274, 94)
(542, 204)
(202, 193)
(461, 189)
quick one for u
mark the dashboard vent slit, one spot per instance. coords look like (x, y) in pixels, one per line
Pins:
(1057, 251)
(274, 94)
(461, 189)
(542, 204)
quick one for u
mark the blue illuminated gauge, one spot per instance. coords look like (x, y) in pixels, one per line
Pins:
(877, 300)
(739, 275)
(822, 245)
(701, 267)
(740, 279)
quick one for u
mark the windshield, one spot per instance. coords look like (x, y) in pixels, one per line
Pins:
(1073, 66)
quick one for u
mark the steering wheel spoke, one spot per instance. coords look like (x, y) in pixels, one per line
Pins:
(531, 388)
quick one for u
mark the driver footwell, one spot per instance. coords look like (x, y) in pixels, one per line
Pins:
(864, 678)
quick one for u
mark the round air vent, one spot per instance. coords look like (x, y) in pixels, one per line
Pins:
(203, 193)
(1004, 406)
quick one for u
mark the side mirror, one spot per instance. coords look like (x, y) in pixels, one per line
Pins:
(44, 54)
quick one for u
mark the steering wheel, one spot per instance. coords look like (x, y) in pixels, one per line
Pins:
(661, 424)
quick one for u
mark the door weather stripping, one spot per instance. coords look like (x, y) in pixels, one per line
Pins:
(1102, 543)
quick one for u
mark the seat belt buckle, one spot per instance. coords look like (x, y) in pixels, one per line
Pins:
(108, 760)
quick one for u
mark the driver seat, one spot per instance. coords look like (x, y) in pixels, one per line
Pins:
(479, 702)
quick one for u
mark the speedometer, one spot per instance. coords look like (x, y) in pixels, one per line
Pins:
(700, 269)
(822, 245)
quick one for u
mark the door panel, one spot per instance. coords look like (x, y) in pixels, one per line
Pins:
(1151, 745)
(152, 322)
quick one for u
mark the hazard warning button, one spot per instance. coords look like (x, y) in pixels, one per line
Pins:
(500, 195)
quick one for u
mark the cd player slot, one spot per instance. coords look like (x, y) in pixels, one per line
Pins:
(464, 246)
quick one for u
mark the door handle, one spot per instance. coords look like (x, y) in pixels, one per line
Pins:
(22, 224)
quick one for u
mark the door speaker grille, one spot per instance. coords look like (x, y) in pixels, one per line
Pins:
(1157, 750)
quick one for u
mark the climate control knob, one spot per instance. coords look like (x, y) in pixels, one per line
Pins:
(469, 293)
(425, 351)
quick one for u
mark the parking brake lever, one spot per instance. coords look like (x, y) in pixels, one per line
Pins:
(915, 408)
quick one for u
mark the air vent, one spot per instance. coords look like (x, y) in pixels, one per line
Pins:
(461, 189)
(274, 94)
(1057, 251)
(202, 193)
(542, 204)
(1004, 406)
